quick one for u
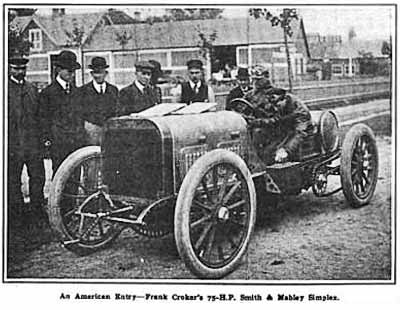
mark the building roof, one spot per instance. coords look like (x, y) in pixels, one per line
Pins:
(21, 21)
(239, 31)
(58, 27)
(351, 49)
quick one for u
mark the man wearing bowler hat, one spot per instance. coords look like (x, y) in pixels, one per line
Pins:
(98, 100)
(60, 111)
(196, 89)
(24, 147)
(140, 95)
(243, 80)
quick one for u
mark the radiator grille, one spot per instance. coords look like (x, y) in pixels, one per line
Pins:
(189, 155)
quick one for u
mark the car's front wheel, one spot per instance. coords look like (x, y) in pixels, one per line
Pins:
(215, 214)
(76, 204)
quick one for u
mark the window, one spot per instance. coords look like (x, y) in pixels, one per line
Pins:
(180, 58)
(337, 69)
(125, 60)
(35, 37)
(243, 56)
(123, 79)
(301, 65)
(38, 64)
(161, 57)
(261, 55)
(346, 69)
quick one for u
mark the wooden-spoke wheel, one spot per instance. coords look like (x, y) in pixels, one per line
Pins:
(77, 204)
(215, 214)
(359, 165)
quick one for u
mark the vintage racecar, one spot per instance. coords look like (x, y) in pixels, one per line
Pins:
(195, 172)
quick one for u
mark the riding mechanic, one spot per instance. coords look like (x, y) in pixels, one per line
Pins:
(280, 121)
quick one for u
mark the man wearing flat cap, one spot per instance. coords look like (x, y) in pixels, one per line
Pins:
(24, 146)
(243, 80)
(196, 89)
(140, 95)
(60, 111)
(98, 100)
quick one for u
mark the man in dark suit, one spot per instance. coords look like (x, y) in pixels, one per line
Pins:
(283, 119)
(24, 146)
(196, 89)
(155, 78)
(60, 111)
(243, 79)
(98, 100)
(140, 95)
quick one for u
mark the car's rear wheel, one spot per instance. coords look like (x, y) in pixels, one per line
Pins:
(215, 214)
(359, 165)
(76, 204)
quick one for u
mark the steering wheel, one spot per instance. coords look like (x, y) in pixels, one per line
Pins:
(244, 107)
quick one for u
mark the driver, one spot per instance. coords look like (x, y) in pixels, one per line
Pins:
(285, 118)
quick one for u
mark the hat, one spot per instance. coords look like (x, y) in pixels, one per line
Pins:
(18, 62)
(194, 63)
(67, 60)
(242, 73)
(156, 67)
(98, 63)
(259, 72)
(144, 64)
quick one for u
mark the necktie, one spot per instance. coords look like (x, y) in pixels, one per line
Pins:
(196, 88)
(101, 89)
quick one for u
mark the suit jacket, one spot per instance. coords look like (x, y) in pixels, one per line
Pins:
(237, 92)
(23, 122)
(61, 117)
(97, 108)
(132, 100)
(286, 120)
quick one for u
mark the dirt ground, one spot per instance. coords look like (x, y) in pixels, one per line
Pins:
(304, 238)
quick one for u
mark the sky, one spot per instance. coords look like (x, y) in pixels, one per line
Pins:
(369, 22)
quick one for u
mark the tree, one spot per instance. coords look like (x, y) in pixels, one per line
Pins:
(352, 34)
(123, 38)
(18, 43)
(206, 44)
(368, 65)
(193, 14)
(283, 20)
(24, 11)
(186, 14)
(387, 48)
(75, 36)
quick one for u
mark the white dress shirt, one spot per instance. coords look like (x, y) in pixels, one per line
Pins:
(19, 82)
(195, 86)
(62, 82)
(139, 86)
(101, 86)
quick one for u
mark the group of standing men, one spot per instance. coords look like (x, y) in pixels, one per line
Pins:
(62, 118)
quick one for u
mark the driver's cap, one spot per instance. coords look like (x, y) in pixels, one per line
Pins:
(259, 72)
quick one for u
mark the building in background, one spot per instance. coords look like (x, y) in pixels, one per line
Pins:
(123, 40)
(350, 59)
(49, 34)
